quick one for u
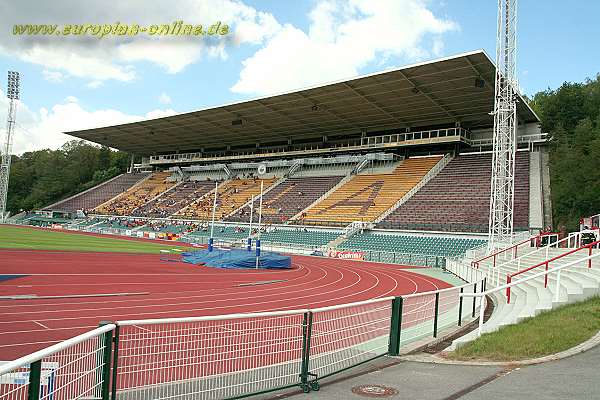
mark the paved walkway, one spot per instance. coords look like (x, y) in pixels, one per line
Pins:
(576, 377)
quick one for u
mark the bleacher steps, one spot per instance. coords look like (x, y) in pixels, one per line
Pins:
(531, 298)
(247, 204)
(426, 178)
(86, 191)
(211, 192)
(159, 195)
(341, 183)
(138, 183)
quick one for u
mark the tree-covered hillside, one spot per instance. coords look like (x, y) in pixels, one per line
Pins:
(42, 177)
(571, 114)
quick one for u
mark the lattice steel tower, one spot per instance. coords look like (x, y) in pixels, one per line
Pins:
(505, 126)
(12, 93)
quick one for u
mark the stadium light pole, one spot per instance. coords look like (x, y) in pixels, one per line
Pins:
(505, 127)
(13, 94)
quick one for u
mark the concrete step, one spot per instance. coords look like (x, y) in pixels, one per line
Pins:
(531, 298)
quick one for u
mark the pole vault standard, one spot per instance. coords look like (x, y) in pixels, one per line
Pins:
(212, 225)
(249, 247)
(259, 222)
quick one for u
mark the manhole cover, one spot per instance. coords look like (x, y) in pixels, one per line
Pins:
(374, 391)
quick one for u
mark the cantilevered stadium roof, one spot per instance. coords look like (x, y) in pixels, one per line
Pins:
(444, 91)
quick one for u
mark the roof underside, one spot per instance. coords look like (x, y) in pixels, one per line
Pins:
(455, 89)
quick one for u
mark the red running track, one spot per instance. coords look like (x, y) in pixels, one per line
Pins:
(172, 289)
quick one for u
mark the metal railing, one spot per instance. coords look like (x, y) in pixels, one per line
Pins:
(547, 262)
(236, 355)
(77, 368)
(500, 289)
(512, 251)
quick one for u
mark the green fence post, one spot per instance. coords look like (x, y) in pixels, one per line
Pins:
(474, 298)
(460, 305)
(107, 344)
(35, 375)
(436, 315)
(395, 326)
(115, 362)
(306, 333)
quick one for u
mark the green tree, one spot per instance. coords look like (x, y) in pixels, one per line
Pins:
(571, 114)
(43, 177)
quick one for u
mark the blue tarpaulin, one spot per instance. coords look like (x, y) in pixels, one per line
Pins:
(236, 259)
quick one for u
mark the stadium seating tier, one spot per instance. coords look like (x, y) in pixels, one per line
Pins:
(92, 198)
(289, 198)
(137, 195)
(231, 195)
(366, 197)
(458, 197)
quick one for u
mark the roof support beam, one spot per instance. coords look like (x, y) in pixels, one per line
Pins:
(327, 110)
(375, 104)
(251, 120)
(431, 97)
(286, 115)
(488, 84)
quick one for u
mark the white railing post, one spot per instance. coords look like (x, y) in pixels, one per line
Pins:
(481, 311)
(556, 295)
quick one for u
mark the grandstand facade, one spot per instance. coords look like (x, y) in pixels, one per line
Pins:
(405, 153)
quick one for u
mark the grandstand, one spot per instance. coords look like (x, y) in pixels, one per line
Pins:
(365, 197)
(231, 195)
(137, 195)
(458, 198)
(290, 198)
(97, 195)
(393, 167)
(411, 244)
(401, 150)
(180, 196)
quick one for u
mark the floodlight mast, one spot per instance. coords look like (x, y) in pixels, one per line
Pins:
(505, 127)
(12, 93)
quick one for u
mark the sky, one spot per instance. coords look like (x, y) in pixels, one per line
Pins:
(78, 82)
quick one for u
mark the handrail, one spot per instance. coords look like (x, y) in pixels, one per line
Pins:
(509, 277)
(531, 277)
(55, 348)
(475, 264)
(210, 317)
(556, 244)
(408, 296)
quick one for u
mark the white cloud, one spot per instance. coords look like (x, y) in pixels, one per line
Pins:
(53, 76)
(343, 36)
(164, 98)
(41, 129)
(94, 84)
(114, 57)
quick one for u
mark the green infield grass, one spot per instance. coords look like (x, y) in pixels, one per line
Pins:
(12, 237)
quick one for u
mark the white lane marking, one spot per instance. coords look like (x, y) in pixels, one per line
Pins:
(42, 325)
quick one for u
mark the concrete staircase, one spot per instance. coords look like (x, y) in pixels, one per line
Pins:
(530, 298)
